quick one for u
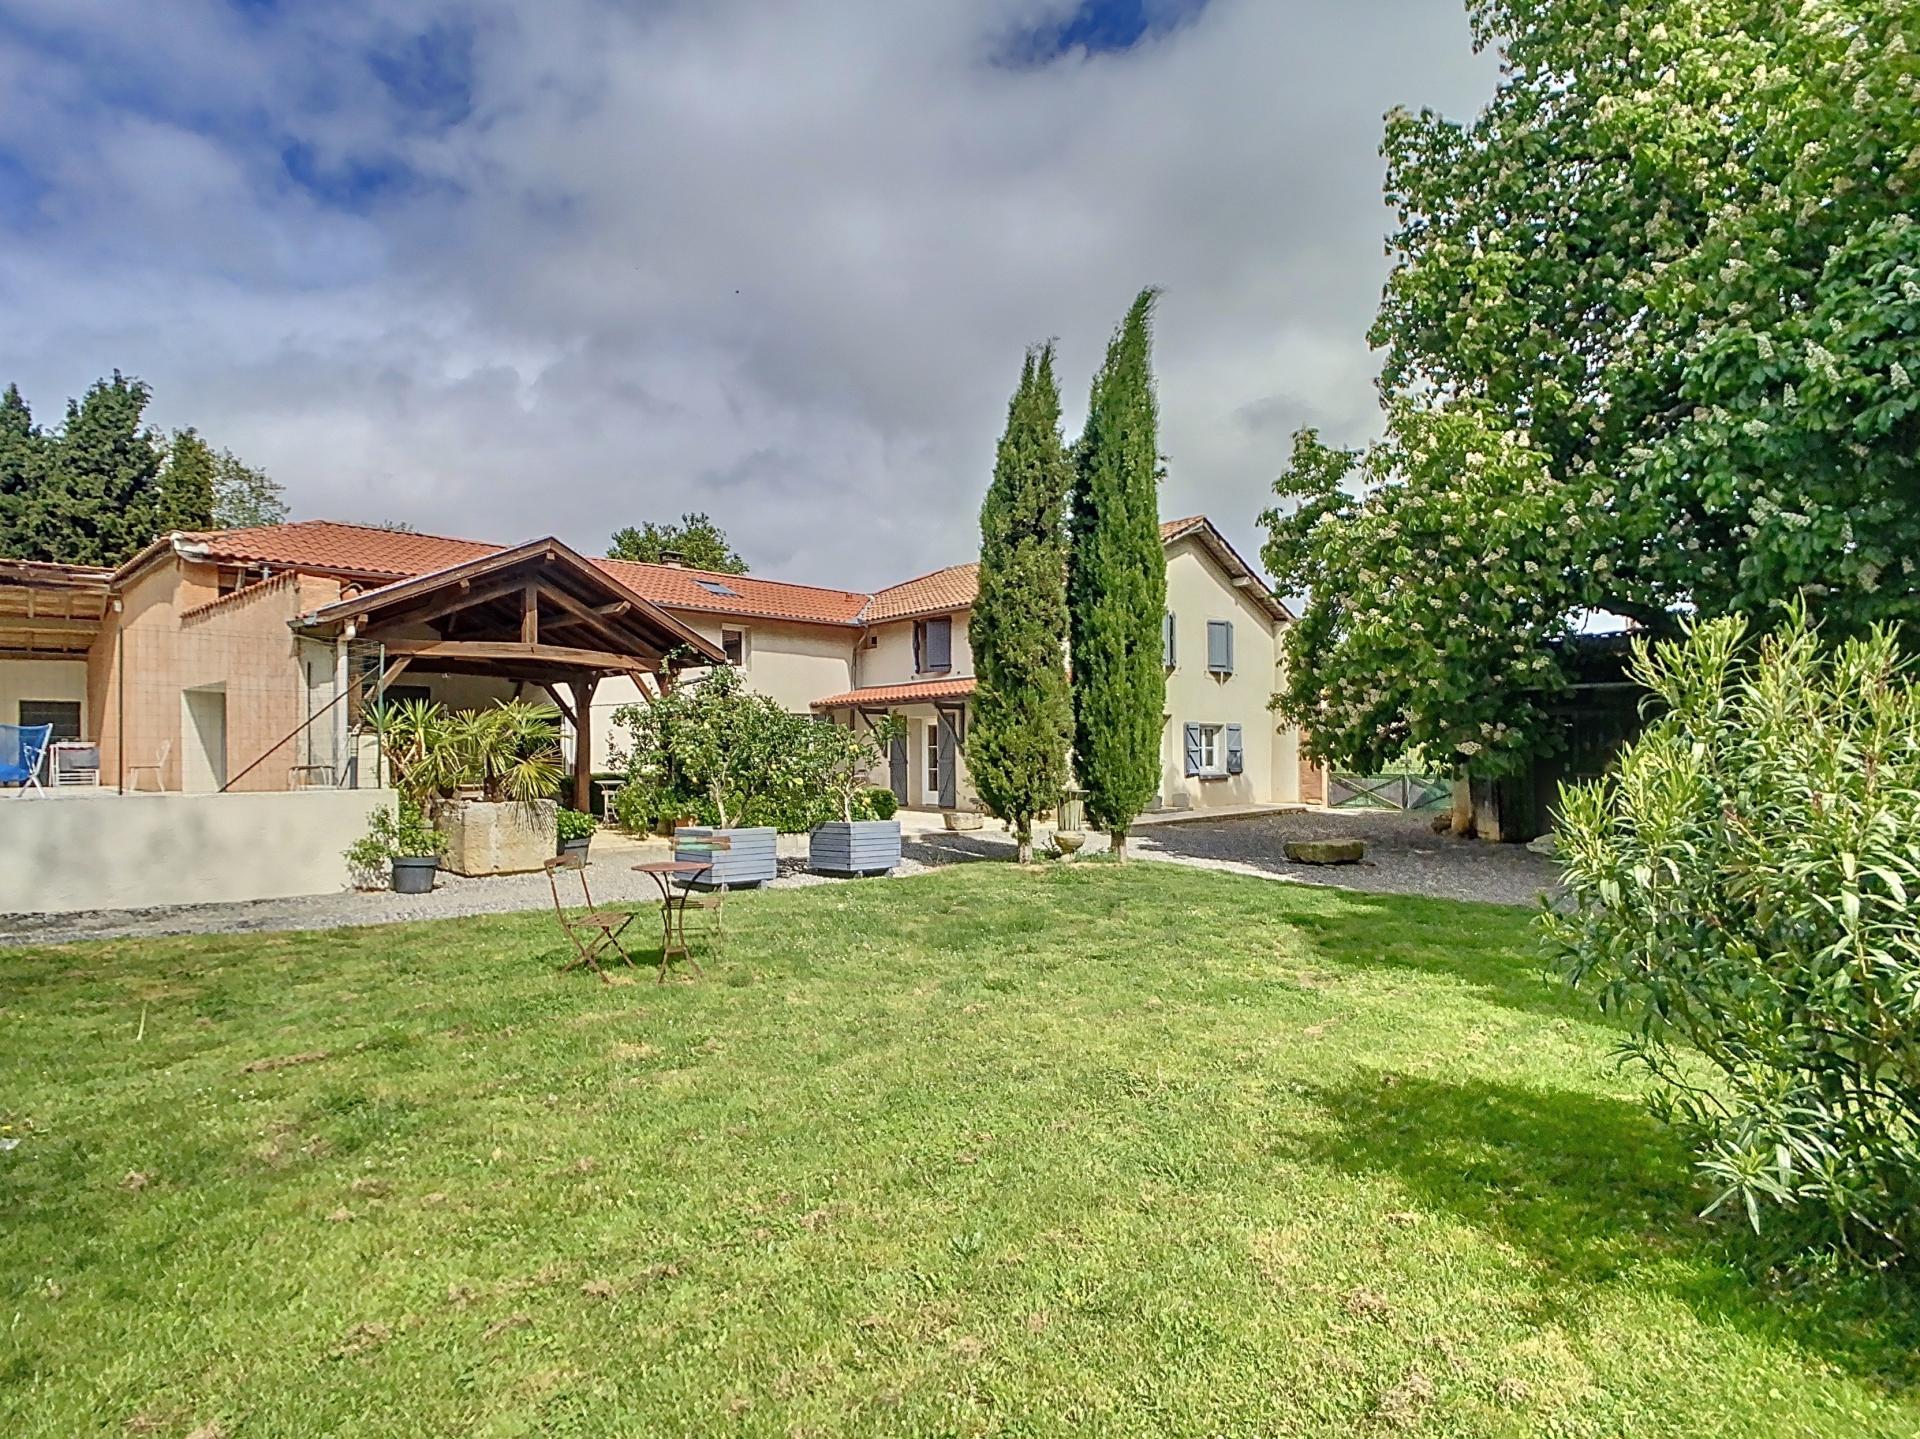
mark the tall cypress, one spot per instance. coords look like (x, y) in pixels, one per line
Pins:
(23, 463)
(100, 500)
(186, 485)
(1117, 584)
(1022, 716)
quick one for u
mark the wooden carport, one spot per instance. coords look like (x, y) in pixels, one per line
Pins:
(539, 613)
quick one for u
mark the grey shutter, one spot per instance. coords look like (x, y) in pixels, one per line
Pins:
(1220, 647)
(949, 781)
(1236, 757)
(897, 767)
(1166, 640)
(940, 643)
(1192, 737)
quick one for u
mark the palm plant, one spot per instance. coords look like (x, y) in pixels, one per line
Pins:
(510, 752)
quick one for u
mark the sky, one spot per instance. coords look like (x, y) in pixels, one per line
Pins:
(501, 270)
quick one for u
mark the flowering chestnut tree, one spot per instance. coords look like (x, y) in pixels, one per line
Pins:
(1651, 346)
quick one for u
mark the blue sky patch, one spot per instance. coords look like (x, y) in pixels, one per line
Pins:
(1099, 27)
(429, 75)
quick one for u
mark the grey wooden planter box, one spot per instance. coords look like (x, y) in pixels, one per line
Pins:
(751, 861)
(864, 846)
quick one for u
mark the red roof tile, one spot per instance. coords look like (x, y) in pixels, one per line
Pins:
(953, 588)
(680, 588)
(330, 547)
(920, 692)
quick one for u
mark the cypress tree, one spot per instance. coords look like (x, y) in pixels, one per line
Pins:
(1117, 584)
(186, 485)
(100, 498)
(1022, 717)
(23, 460)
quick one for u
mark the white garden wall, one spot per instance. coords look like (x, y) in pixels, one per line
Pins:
(112, 851)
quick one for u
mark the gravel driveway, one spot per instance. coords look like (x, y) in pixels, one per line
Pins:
(1405, 857)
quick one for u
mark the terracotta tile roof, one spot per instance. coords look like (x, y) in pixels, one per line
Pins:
(879, 696)
(953, 588)
(330, 547)
(679, 588)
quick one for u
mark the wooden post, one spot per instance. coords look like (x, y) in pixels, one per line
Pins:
(530, 615)
(583, 744)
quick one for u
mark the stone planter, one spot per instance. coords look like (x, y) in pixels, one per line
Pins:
(862, 846)
(485, 838)
(961, 819)
(1069, 841)
(749, 862)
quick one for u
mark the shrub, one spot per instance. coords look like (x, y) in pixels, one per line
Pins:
(1744, 889)
(572, 824)
(399, 833)
(881, 802)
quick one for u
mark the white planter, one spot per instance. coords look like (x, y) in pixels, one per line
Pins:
(862, 846)
(485, 838)
(750, 861)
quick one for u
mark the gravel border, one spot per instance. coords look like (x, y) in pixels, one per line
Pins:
(1405, 857)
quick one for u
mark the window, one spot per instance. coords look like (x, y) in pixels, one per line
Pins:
(1220, 647)
(1210, 744)
(63, 715)
(714, 587)
(1213, 751)
(933, 757)
(1167, 654)
(734, 643)
(933, 644)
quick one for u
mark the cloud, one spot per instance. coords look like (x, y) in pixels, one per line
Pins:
(503, 270)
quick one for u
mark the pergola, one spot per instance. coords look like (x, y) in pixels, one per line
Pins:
(539, 613)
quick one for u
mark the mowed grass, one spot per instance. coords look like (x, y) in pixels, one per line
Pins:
(1081, 1150)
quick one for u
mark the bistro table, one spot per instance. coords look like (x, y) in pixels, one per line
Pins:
(673, 905)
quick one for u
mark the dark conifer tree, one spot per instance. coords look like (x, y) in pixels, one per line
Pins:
(186, 485)
(1117, 585)
(1022, 716)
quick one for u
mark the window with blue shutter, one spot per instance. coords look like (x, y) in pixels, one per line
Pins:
(933, 644)
(1192, 741)
(1166, 640)
(1236, 754)
(1220, 647)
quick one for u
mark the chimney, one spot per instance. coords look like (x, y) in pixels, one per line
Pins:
(673, 559)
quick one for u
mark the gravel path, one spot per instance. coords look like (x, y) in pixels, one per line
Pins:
(1405, 857)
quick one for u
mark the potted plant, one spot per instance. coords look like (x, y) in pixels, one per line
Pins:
(400, 846)
(575, 831)
(864, 839)
(484, 778)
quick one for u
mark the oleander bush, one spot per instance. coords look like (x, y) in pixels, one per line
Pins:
(1745, 888)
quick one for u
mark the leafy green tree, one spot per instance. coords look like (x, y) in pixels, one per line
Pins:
(23, 460)
(99, 502)
(1661, 300)
(245, 497)
(1022, 713)
(696, 540)
(1117, 584)
(186, 484)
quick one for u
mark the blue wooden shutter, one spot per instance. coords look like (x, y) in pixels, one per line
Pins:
(1236, 756)
(1192, 738)
(1166, 640)
(1220, 647)
(940, 643)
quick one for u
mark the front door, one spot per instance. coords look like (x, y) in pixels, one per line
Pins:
(949, 788)
(897, 764)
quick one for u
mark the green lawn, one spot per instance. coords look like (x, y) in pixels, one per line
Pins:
(1079, 1150)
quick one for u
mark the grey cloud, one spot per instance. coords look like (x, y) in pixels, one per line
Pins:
(775, 261)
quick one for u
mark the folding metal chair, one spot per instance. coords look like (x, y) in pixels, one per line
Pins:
(593, 932)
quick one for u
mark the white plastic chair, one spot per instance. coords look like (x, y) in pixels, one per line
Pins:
(158, 769)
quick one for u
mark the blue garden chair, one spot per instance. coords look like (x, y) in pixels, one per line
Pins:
(21, 749)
